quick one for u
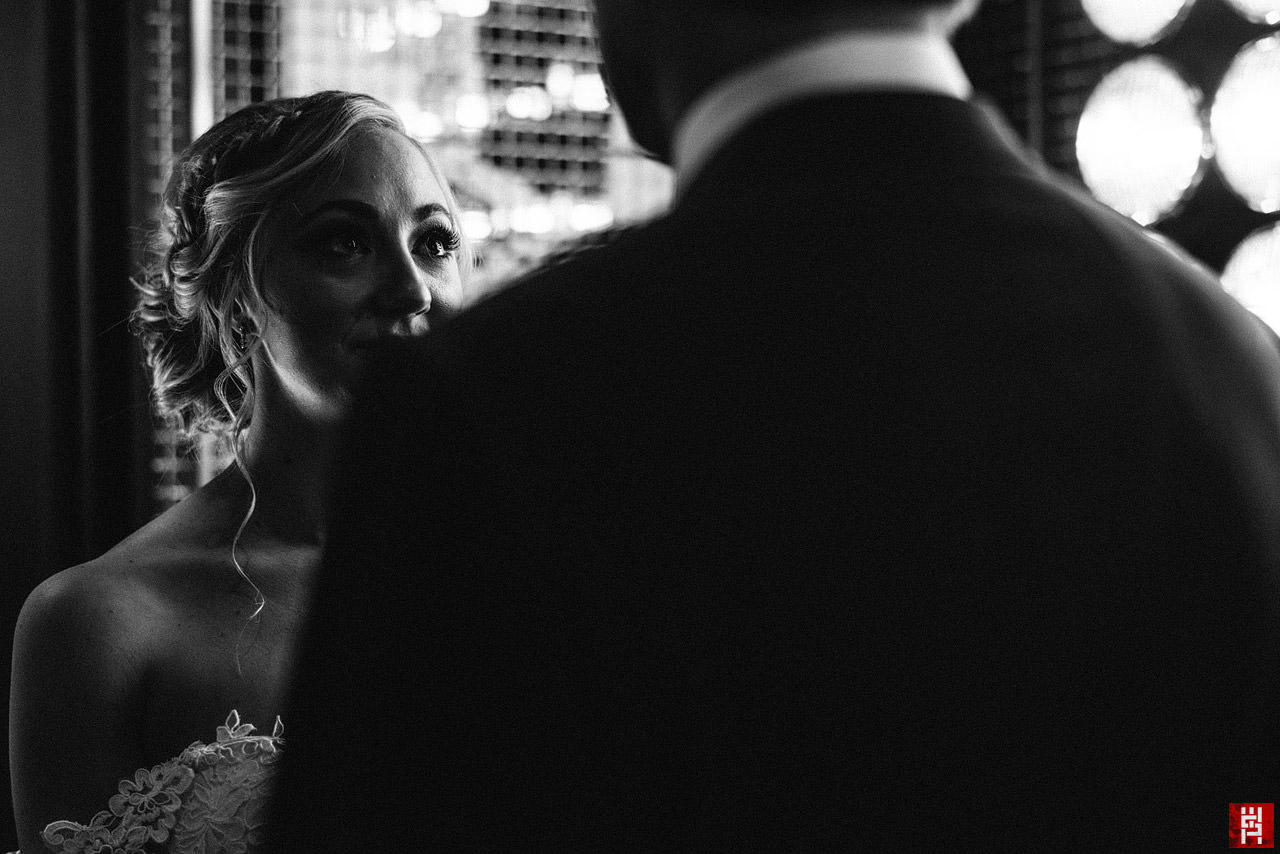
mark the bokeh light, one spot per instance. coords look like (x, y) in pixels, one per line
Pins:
(590, 216)
(471, 8)
(1139, 22)
(1141, 142)
(589, 94)
(560, 77)
(533, 218)
(1258, 11)
(1252, 274)
(418, 18)
(1245, 122)
(529, 102)
(472, 112)
(477, 225)
(374, 31)
(420, 124)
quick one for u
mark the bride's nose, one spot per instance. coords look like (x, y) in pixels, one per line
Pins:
(405, 287)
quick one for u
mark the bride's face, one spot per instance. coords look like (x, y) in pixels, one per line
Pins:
(366, 253)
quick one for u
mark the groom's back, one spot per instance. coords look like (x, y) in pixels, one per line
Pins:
(867, 493)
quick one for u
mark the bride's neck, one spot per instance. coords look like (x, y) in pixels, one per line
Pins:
(288, 461)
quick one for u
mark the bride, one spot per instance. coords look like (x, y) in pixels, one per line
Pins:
(299, 233)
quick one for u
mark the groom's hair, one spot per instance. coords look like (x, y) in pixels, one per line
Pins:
(806, 5)
(875, 11)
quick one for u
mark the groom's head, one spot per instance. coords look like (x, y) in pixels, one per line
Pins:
(660, 54)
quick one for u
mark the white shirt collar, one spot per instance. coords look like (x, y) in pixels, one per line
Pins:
(910, 60)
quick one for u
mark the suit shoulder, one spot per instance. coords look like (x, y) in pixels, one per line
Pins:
(567, 280)
(1107, 257)
(574, 296)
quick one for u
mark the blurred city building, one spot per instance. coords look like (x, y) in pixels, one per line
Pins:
(507, 96)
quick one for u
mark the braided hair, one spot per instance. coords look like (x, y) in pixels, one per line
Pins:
(200, 313)
(200, 310)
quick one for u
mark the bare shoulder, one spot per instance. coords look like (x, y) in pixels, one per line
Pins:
(100, 600)
(120, 661)
(115, 599)
(89, 644)
(81, 653)
(84, 638)
(113, 613)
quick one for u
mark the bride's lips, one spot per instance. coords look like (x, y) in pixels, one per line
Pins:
(368, 335)
(379, 340)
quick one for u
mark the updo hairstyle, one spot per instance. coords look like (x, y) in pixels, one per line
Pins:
(201, 301)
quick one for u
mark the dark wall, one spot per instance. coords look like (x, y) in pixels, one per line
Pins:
(27, 386)
(25, 395)
(70, 403)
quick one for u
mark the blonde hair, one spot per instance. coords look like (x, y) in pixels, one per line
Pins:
(201, 300)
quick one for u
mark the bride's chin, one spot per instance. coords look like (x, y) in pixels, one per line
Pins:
(331, 404)
(341, 401)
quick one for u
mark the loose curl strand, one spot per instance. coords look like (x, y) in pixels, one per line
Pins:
(201, 313)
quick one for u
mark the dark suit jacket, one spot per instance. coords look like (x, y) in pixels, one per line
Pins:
(885, 494)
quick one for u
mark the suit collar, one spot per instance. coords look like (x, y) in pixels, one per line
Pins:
(888, 140)
(849, 62)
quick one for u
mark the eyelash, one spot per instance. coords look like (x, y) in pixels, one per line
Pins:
(447, 236)
(340, 243)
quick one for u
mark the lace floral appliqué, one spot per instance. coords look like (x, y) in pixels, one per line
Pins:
(210, 799)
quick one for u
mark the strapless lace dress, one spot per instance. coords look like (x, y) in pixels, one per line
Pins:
(209, 799)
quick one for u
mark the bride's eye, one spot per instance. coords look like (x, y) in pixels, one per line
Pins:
(438, 242)
(343, 245)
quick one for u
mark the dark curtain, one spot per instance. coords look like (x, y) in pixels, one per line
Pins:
(72, 407)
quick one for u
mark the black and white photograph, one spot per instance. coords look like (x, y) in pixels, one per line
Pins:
(639, 425)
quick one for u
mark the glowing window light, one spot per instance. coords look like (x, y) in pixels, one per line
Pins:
(590, 216)
(373, 31)
(1258, 11)
(529, 102)
(1252, 274)
(1141, 143)
(422, 124)
(472, 112)
(419, 18)
(1139, 22)
(1245, 122)
(476, 225)
(471, 8)
(536, 218)
(500, 217)
(562, 204)
(589, 94)
(560, 77)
